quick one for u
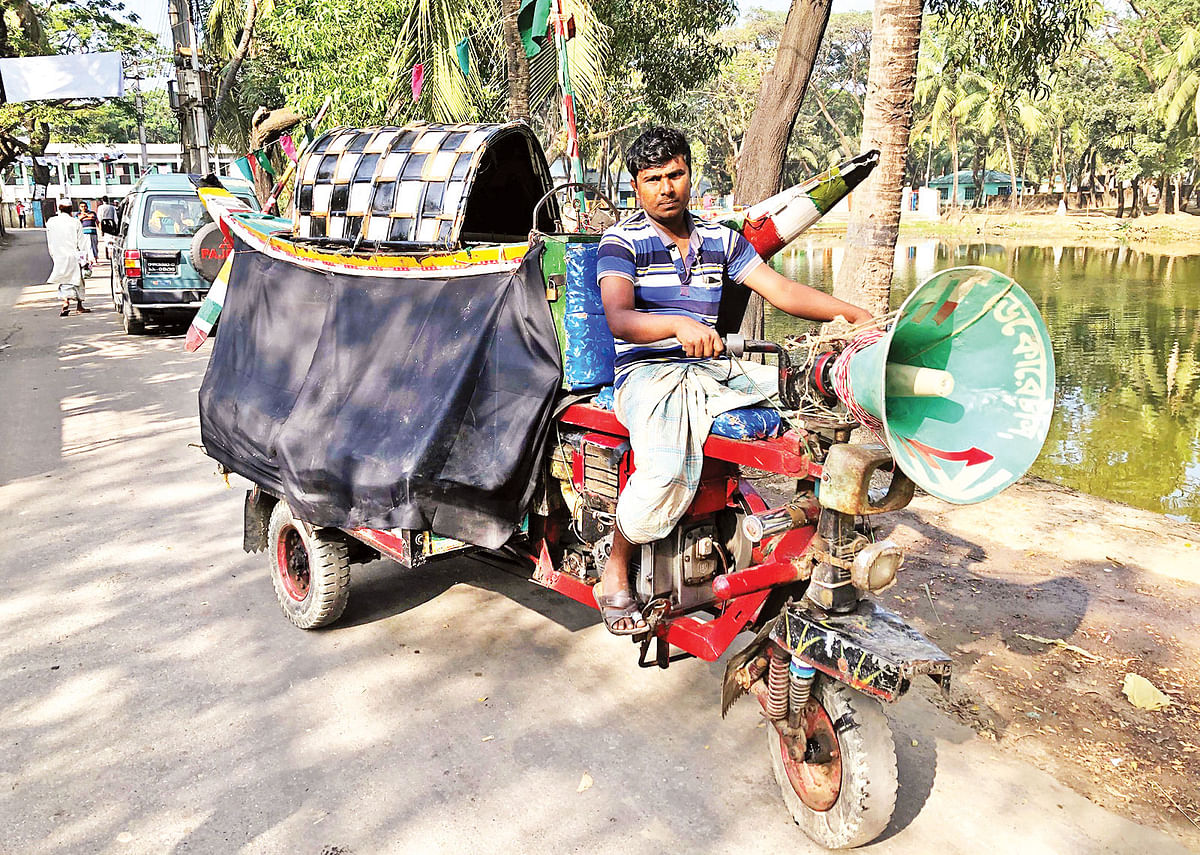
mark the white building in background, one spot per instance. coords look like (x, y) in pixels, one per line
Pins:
(87, 173)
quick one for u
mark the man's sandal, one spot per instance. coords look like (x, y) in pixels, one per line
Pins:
(618, 606)
(64, 311)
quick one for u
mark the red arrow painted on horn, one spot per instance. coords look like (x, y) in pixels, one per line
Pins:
(971, 456)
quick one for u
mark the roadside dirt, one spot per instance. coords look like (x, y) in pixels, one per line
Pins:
(1119, 584)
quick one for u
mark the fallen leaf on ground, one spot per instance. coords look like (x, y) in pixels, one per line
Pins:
(1060, 643)
(585, 783)
(1144, 694)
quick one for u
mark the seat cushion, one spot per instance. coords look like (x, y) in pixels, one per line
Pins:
(590, 350)
(742, 423)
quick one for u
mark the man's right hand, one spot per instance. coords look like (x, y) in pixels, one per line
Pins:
(697, 339)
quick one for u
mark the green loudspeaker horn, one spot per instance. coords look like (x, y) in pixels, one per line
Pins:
(963, 384)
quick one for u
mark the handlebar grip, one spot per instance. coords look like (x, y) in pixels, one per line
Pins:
(738, 345)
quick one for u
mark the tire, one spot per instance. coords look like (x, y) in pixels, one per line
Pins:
(310, 572)
(132, 325)
(866, 788)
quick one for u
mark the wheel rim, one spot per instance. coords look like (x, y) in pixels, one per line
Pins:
(815, 772)
(292, 564)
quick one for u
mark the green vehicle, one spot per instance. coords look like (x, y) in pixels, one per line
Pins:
(153, 280)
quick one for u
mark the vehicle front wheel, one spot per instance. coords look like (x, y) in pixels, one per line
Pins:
(840, 784)
(310, 572)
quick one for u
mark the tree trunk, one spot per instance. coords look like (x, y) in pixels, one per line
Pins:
(1079, 179)
(865, 277)
(1134, 208)
(239, 55)
(760, 168)
(265, 127)
(1092, 181)
(979, 167)
(1167, 205)
(518, 63)
(1012, 165)
(844, 142)
(1120, 198)
(764, 146)
(954, 158)
(1062, 167)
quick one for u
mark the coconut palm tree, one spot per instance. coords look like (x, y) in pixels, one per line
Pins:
(1178, 74)
(943, 99)
(865, 276)
(429, 33)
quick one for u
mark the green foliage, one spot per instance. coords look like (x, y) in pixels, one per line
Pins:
(670, 46)
(1016, 42)
(115, 121)
(60, 27)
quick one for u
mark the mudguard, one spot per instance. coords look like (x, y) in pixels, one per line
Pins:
(870, 649)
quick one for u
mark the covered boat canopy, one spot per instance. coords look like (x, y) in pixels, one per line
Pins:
(425, 184)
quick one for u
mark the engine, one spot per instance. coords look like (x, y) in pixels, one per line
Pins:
(591, 470)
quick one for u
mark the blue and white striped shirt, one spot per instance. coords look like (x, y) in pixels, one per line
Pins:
(638, 250)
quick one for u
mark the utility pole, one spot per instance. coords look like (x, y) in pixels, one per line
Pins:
(189, 95)
(143, 159)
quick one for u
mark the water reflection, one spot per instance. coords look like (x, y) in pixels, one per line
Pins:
(1126, 331)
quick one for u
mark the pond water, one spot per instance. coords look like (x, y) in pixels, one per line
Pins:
(1125, 325)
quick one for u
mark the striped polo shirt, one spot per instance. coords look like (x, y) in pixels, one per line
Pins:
(638, 250)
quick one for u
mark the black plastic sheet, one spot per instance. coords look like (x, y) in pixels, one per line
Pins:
(385, 402)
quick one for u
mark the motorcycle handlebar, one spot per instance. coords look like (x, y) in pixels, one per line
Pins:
(737, 345)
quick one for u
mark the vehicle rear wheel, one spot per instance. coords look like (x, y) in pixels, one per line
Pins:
(132, 325)
(310, 572)
(840, 786)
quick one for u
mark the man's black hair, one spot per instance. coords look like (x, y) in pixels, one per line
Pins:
(656, 147)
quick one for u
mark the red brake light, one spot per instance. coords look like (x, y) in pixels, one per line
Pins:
(133, 264)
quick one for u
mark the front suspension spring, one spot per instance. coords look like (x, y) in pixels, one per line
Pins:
(800, 680)
(777, 688)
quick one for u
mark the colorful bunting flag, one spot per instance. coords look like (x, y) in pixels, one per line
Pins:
(533, 20)
(243, 166)
(463, 50)
(418, 80)
(264, 163)
(288, 146)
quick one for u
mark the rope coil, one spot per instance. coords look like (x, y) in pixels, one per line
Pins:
(839, 374)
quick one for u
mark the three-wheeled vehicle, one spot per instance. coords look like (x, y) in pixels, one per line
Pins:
(386, 402)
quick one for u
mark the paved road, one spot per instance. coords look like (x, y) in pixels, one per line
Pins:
(154, 700)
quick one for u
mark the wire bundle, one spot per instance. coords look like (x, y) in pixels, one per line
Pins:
(839, 374)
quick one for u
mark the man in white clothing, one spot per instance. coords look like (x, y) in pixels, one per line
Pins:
(67, 244)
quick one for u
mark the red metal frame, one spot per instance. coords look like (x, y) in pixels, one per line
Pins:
(782, 454)
(704, 639)
(387, 543)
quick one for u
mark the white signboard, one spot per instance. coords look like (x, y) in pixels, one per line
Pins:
(67, 77)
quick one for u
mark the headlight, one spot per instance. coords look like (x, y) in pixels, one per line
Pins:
(875, 566)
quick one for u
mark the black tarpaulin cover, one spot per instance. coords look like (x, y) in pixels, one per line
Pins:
(385, 402)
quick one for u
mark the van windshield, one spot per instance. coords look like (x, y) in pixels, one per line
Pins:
(177, 214)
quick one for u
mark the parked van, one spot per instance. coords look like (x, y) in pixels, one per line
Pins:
(153, 280)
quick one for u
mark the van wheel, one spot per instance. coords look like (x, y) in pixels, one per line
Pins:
(132, 325)
(310, 572)
(840, 785)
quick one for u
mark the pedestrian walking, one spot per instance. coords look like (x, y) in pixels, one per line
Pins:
(107, 212)
(21, 214)
(91, 229)
(67, 245)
